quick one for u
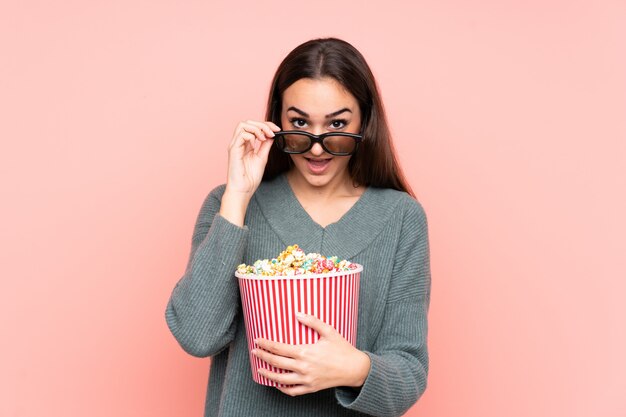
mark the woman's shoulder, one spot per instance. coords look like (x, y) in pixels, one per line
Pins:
(214, 197)
(211, 204)
(217, 192)
(401, 201)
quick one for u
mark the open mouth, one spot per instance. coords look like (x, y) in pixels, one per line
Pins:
(318, 165)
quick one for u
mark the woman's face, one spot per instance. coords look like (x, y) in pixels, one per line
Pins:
(319, 106)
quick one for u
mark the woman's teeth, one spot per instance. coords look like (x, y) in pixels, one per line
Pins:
(317, 166)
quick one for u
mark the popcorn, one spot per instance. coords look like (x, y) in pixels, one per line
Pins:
(293, 261)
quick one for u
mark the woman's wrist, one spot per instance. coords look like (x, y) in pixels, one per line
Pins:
(362, 364)
(234, 205)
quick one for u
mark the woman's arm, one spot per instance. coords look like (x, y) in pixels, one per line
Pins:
(202, 309)
(399, 357)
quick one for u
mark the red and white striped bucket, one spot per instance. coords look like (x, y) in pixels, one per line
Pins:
(270, 304)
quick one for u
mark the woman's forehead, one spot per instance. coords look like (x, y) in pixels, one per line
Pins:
(318, 98)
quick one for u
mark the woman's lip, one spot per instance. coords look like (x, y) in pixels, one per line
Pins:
(317, 166)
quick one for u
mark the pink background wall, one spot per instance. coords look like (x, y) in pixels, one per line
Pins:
(509, 118)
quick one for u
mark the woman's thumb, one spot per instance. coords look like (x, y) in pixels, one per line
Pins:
(264, 149)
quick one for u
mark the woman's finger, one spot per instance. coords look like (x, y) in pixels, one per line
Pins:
(261, 130)
(243, 138)
(278, 348)
(267, 130)
(245, 127)
(236, 133)
(256, 130)
(281, 362)
(324, 330)
(287, 378)
(295, 390)
(273, 126)
(264, 149)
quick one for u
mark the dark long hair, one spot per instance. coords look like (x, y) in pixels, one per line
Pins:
(375, 163)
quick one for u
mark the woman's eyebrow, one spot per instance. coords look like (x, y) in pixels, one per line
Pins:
(328, 116)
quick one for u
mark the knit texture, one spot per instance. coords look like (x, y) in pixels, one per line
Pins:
(385, 231)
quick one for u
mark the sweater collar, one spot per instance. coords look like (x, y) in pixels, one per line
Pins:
(345, 238)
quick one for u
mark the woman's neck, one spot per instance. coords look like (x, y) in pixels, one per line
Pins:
(340, 186)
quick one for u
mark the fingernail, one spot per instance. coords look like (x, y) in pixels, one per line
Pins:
(300, 315)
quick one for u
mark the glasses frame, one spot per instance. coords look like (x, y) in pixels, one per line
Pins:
(319, 139)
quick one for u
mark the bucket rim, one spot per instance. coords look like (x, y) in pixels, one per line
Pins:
(358, 269)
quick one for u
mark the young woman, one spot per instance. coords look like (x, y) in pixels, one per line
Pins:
(334, 187)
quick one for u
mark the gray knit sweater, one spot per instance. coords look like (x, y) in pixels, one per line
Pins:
(385, 231)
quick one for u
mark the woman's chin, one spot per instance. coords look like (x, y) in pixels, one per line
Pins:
(318, 180)
(319, 175)
(328, 178)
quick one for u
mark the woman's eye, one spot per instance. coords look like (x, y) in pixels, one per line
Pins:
(296, 122)
(338, 124)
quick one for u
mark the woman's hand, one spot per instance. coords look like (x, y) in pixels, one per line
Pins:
(247, 156)
(331, 362)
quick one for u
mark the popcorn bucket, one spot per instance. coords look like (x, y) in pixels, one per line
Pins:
(270, 304)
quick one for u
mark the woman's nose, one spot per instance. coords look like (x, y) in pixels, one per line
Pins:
(317, 149)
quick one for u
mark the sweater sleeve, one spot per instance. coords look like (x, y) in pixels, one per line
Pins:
(202, 310)
(399, 357)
